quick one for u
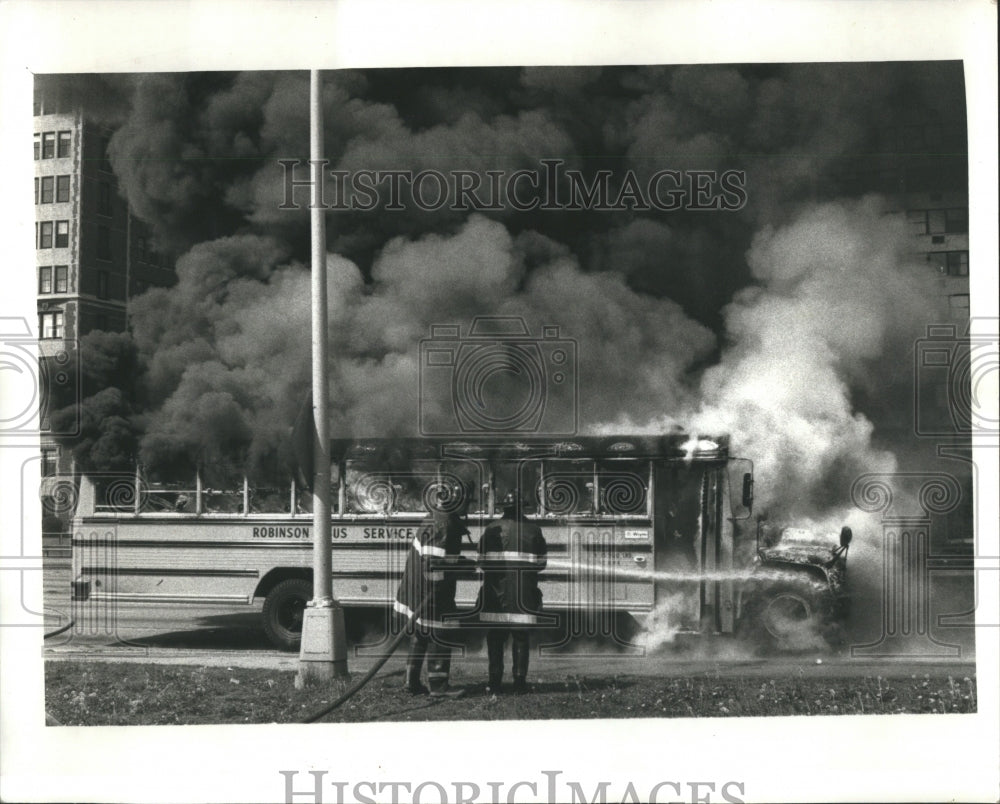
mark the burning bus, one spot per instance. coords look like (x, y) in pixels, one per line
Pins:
(634, 524)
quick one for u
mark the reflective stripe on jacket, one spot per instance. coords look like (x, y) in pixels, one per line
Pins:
(439, 538)
(511, 553)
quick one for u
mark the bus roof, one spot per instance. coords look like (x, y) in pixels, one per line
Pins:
(674, 446)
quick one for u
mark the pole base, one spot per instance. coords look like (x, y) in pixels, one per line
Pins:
(323, 655)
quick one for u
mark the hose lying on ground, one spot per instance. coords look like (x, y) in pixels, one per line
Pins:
(58, 631)
(374, 668)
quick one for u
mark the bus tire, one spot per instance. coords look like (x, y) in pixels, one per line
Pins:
(784, 618)
(284, 610)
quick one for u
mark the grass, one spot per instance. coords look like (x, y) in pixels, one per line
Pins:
(108, 693)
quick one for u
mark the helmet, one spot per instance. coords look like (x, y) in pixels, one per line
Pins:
(512, 504)
(511, 498)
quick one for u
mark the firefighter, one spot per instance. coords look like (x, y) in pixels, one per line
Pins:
(426, 595)
(512, 552)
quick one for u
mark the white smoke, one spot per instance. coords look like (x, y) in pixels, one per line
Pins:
(666, 620)
(838, 304)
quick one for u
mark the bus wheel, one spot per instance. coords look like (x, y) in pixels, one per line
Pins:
(782, 619)
(284, 609)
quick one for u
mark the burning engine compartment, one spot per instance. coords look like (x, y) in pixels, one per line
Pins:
(797, 596)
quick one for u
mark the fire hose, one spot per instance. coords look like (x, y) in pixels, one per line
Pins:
(59, 631)
(411, 618)
(312, 718)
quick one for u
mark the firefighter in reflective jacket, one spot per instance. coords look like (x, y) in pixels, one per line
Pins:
(512, 552)
(426, 595)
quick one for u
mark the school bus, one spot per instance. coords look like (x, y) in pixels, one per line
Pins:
(636, 525)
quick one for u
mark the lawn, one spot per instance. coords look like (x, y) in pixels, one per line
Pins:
(116, 693)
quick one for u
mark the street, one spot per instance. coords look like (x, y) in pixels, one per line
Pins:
(231, 636)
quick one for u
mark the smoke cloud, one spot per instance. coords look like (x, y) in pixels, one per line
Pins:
(227, 348)
(839, 297)
(783, 323)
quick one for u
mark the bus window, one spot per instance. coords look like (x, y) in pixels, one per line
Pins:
(161, 497)
(740, 473)
(303, 501)
(623, 488)
(474, 479)
(421, 488)
(567, 488)
(221, 490)
(115, 493)
(268, 499)
(369, 489)
(523, 476)
(452, 485)
(426, 485)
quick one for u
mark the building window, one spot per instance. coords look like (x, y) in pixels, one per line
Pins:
(50, 461)
(103, 283)
(958, 263)
(65, 142)
(38, 146)
(45, 234)
(935, 221)
(916, 221)
(948, 221)
(48, 145)
(51, 325)
(62, 234)
(58, 273)
(103, 243)
(45, 279)
(938, 221)
(48, 185)
(140, 248)
(62, 188)
(104, 199)
(958, 305)
(36, 191)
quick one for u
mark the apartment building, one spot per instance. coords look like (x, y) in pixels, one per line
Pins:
(92, 254)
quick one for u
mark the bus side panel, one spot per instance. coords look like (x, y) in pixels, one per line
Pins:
(591, 564)
(595, 565)
(180, 561)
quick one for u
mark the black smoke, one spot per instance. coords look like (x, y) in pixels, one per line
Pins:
(767, 321)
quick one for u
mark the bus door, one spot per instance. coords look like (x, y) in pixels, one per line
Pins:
(678, 543)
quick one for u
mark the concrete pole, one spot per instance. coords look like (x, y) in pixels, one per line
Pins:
(323, 653)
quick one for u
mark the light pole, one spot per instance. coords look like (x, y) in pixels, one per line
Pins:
(323, 653)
